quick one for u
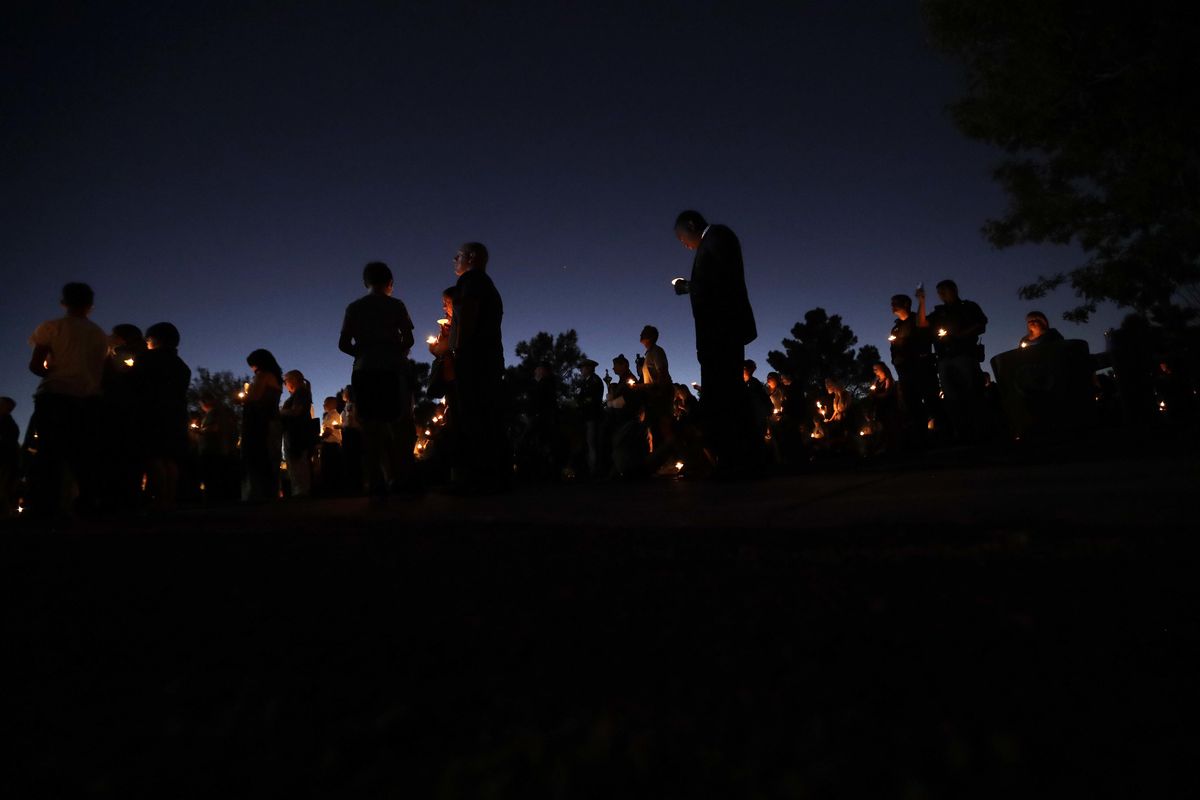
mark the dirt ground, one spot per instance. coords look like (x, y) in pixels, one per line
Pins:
(956, 626)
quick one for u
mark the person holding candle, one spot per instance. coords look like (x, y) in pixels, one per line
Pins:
(957, 325)
(589, 398)
(164, 412)
(441, 373)
(329, 448)
(624, 438)
(217, 448)
(10, 456)
(378, 332)
(724, 326)
(261, 429)
(68, 355)
(916, 370)
(760, 402)
(122, 435)
(299, 432)
(659, 391)
(1038, 330)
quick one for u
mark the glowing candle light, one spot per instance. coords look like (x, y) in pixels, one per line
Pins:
(1024, 344)
(631, 382)
(943, 332)
(892, 338)
(443, 321)
(678, 466)
(129, 361)
(431, 339)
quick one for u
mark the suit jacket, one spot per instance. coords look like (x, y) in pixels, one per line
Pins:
(475, 338)
(720, 303)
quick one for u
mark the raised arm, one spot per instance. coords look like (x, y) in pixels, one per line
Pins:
(922, 321)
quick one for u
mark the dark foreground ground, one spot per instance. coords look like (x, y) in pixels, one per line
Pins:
(962, 626)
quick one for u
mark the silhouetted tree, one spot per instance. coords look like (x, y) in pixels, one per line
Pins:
(1095, 105)
(823, 347)
(223, 385)
(560, 352)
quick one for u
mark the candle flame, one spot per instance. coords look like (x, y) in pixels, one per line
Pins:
(431, 339)
(129, 362)
(892, 338)
(943, 332)
(443, 321)
(631, 381)
(1024, 344)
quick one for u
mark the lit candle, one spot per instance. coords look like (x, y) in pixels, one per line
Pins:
(129, 361)
(431, 339)
(631, 382)
(872, 388)
(678, 466)
(892, 338)
(943, 332)
(1024, 344)
(443, 321)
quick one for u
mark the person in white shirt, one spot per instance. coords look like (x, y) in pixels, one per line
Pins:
(68, 355)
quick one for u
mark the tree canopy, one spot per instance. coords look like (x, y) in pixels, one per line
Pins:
(823, 347)
(222, 385)
(1094, 104)
(561, 353)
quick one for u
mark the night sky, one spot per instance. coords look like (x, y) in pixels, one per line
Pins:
(231, 167)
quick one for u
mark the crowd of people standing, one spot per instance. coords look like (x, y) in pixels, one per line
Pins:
(111, 427)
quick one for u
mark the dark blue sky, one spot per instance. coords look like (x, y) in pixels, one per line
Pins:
(230, 168)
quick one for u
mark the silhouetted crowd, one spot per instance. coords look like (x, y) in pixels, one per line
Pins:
(112, 430)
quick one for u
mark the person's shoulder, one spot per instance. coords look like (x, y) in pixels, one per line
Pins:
(46, 330)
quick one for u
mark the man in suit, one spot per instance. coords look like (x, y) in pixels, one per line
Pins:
(724, 326)
(482, 460)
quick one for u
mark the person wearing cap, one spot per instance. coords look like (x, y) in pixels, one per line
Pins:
(724, 326)
(68, 355)
(589, 397)
(163, 412)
